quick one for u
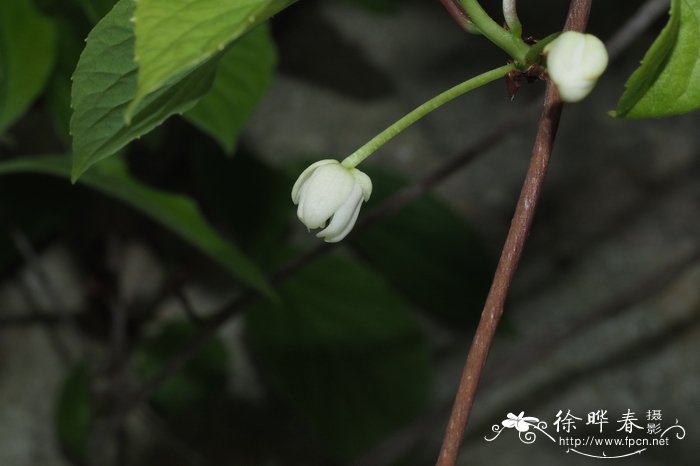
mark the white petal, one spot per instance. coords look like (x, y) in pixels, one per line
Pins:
(575, 94)
(323, 193)
(509, 423)
(364, 181)
(344, 219)
(305, 176)
(348, 228)
(302, 202)
(575, 61)
(595, 56)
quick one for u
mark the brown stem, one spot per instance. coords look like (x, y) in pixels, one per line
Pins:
(577, 19)
(458, 14)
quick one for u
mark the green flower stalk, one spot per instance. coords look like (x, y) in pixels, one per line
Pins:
(510, 43)
(510, 14)
(329, 194)
(439, 100)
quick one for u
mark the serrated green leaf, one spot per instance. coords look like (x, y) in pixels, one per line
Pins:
(104, 83)
(73, 413)
(176, 36)
(243, 76)
(668, 81)
(177, 213)
(27, 46)
(345, 352)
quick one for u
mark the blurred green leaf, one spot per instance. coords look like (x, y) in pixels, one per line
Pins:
(96, 9)
(177, 213)
(224, 185)
(104, 83)
(70, 44)
(243, 76)
(27, 46)
(428, 253)
(345, 352)
(202, 378)
(176, 36)
(668, 80)
(73, 415)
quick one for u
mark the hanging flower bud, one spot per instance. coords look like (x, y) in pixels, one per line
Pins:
(575, 61)
(327, 190)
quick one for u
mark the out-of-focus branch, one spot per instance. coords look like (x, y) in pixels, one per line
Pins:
(118, 382)
(17, 319)
(42, 280)
(638, 23)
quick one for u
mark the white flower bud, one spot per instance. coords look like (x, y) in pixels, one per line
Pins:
(327, 190)
(575, 61)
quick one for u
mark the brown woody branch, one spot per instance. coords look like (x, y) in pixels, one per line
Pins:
(577, 19)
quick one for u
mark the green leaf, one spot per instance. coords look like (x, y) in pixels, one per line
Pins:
(223, 186)
(202, 378)
(104, 84)
(177, 213)
(175, 36)
(668, 80)
(27, 46)
(428, 253)
(345, 352)
(73, 414)
(244, 74)
(96, 9)
(58, 94)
